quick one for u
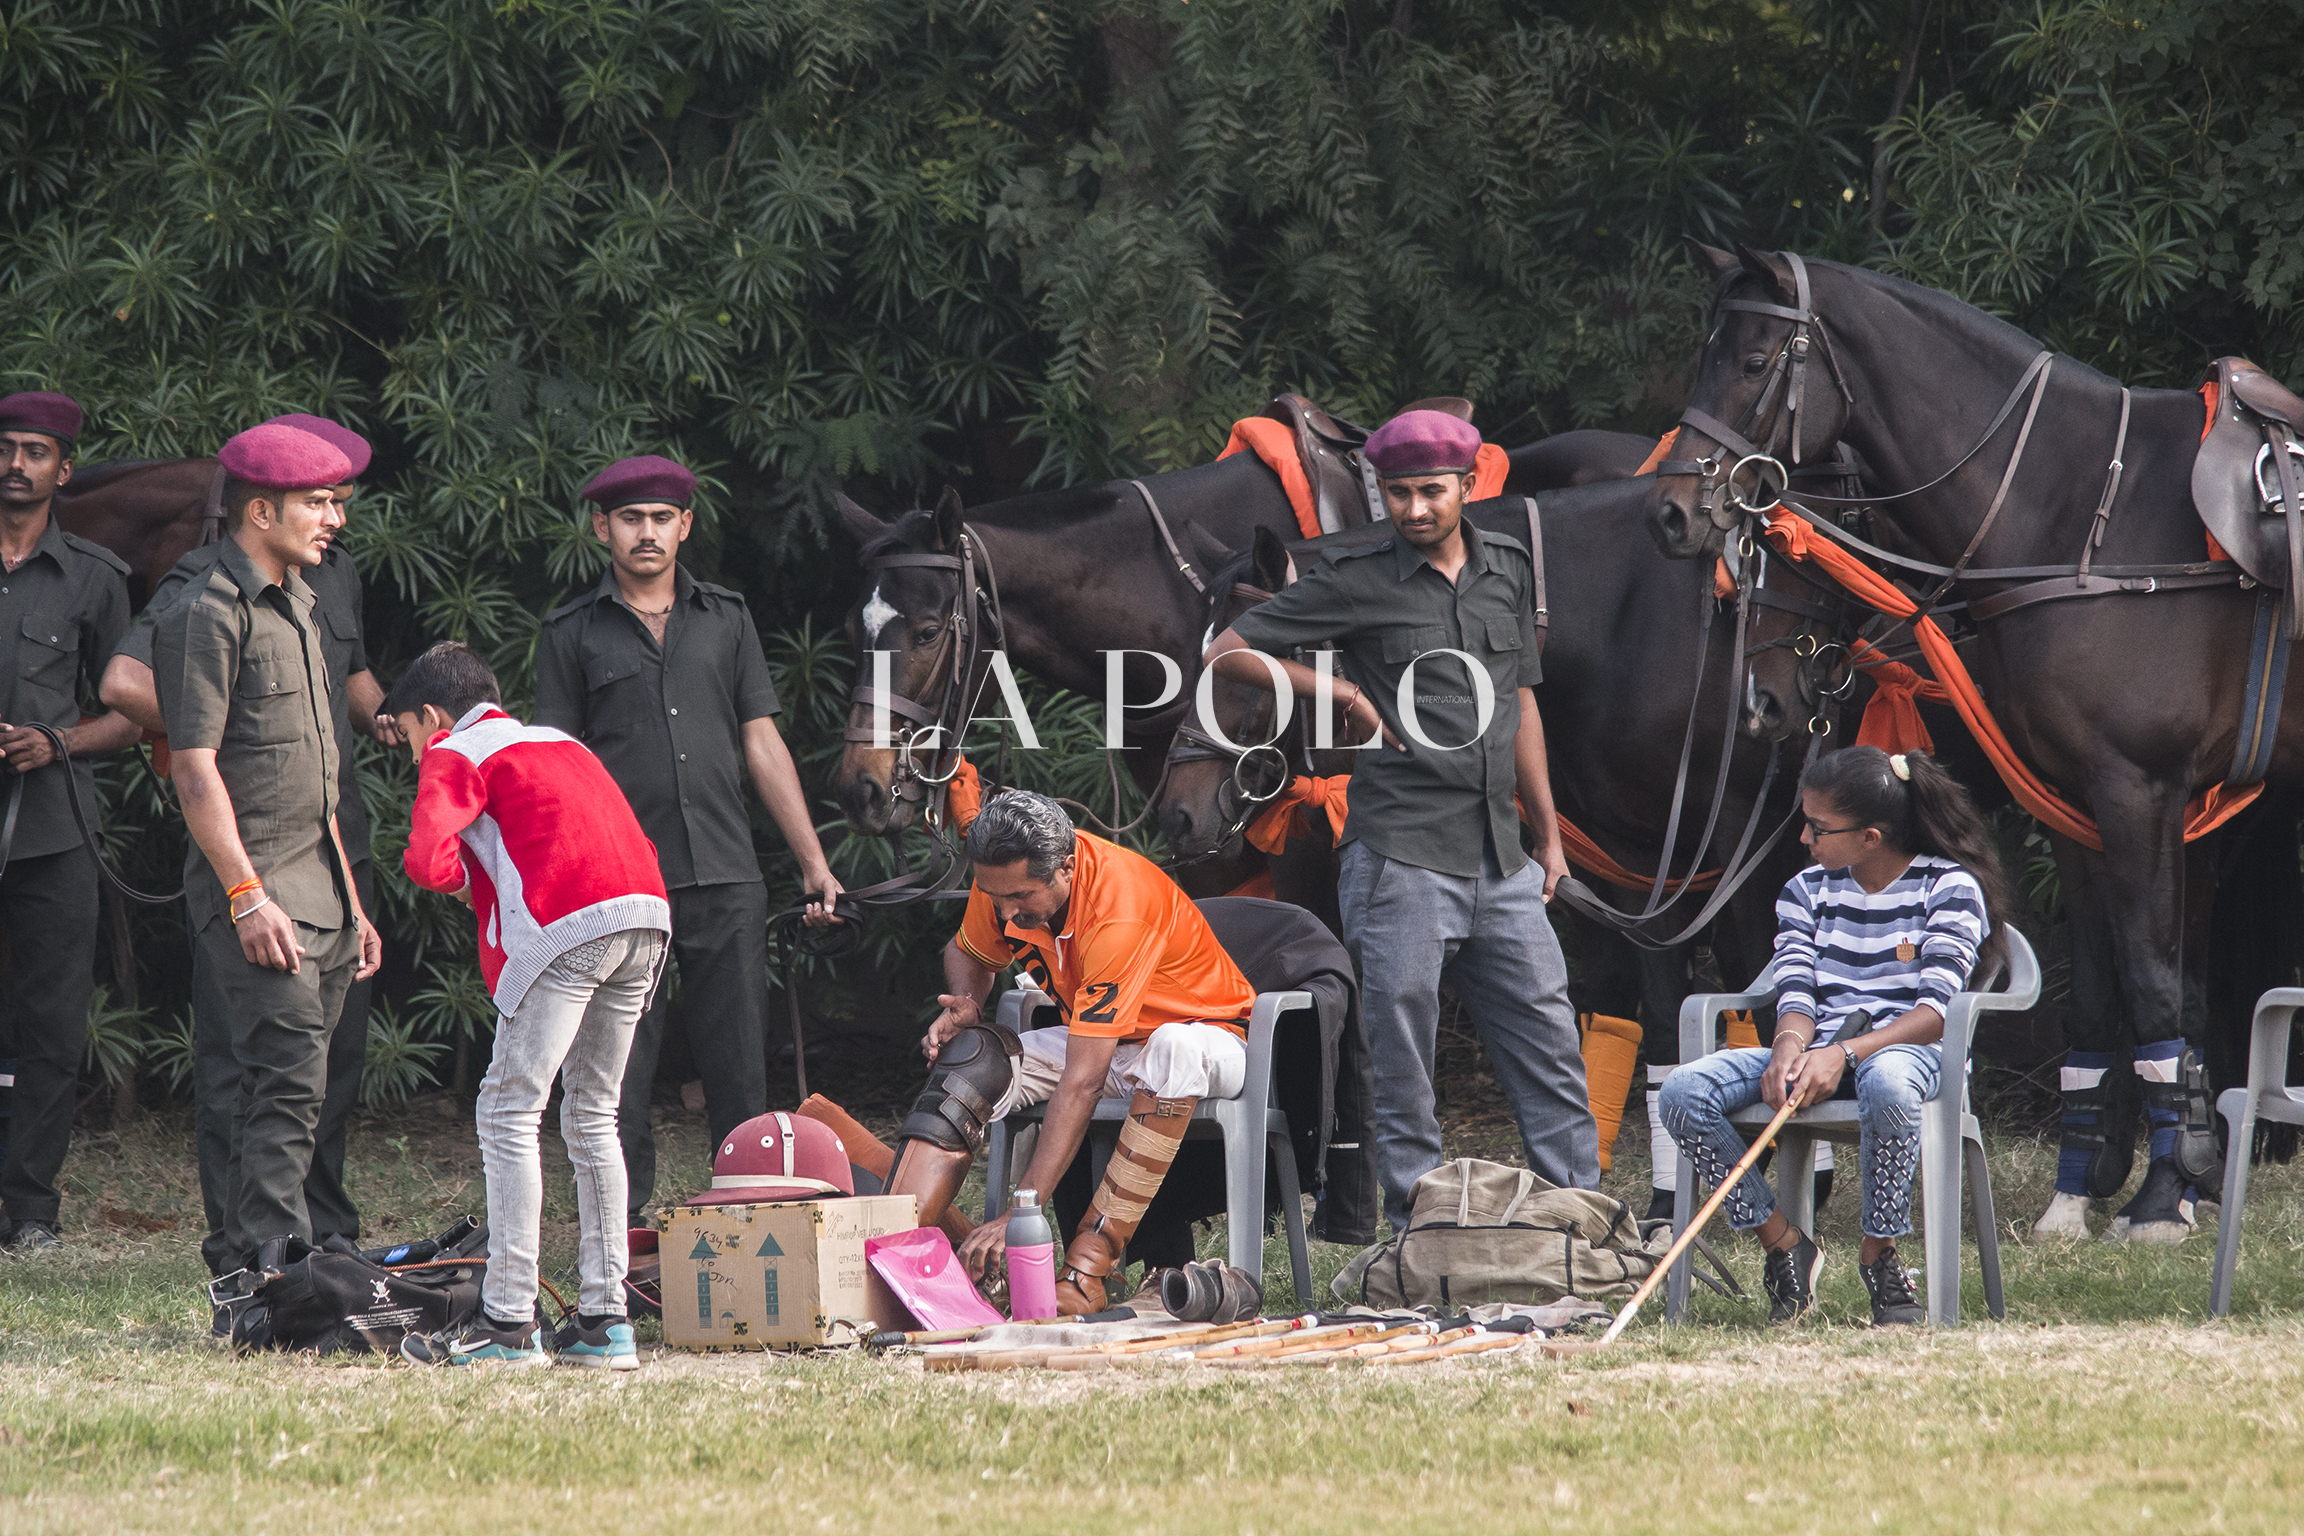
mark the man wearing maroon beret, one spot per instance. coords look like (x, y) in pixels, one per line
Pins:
(355, 696)
(1435, 629)
(663, 677)
(63, 606)
(246, 696)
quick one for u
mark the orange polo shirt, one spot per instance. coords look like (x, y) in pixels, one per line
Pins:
(1135, 953)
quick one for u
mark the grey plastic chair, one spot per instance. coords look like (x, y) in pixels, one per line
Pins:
(1251, 1127)
(2267, 1097)
(1949, 1136)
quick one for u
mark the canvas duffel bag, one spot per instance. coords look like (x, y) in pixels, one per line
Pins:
(1482, 1232)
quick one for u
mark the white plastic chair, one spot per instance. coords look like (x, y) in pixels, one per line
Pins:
(1251, 1126)
(2267, 1097)
(1947, 1126)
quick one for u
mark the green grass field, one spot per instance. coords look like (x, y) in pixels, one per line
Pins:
(2104, 1403)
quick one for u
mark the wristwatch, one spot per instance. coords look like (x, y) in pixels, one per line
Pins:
(1847, 1051)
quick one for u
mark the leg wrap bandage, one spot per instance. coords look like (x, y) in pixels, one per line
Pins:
(2086, 1103)
(1147, 1149)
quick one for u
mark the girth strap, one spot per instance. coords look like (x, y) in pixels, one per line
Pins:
(2260, 701)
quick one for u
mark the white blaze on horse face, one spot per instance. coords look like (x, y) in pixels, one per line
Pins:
(877, 613)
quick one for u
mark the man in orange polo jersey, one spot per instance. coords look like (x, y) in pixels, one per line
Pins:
(1154, 1010)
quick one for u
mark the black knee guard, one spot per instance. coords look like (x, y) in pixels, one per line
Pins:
(972, 1074)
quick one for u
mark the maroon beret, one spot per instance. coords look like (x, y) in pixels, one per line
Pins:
(56, 416)
(346, 441)
(284, 459)
(1422, 443)
(646, 478)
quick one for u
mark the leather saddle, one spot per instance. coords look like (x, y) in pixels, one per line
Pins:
(2248, 478)
(1344, 493)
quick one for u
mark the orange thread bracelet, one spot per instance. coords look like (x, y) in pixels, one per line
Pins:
(253, 882)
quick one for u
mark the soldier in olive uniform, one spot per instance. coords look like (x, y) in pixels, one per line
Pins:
(663, 677)
(63, 606)
(1434, 881)
(244, 692)
(355, 696)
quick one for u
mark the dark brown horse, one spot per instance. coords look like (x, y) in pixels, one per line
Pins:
(147, 511)
(2129, 704)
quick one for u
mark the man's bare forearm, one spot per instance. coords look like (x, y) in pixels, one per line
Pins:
(966, 976)
(1062, 1129)
(209, 816)
(109, 732)
(777, 780)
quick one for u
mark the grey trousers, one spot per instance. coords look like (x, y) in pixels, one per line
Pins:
(1489, 936)
(280, 1024)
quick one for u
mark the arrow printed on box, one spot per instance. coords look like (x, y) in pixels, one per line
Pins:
(703, 1248)
(769, 1250)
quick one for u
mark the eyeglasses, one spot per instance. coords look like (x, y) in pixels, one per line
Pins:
(1816, 831)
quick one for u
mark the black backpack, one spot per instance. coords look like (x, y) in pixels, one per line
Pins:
(337, 1298)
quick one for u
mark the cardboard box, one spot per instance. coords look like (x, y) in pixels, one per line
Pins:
(768, 1276)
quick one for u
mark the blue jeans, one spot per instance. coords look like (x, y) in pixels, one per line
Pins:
(1891, 1085)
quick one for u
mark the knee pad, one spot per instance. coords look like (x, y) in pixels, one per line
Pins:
(973, 1073)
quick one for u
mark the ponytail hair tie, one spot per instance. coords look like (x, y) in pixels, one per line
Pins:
(1901, 766)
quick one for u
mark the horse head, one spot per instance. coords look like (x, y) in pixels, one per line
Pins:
(1768, 398)
(907, 606)
(1230, 756)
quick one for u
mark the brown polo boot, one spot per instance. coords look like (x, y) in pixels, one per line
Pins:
(1148, 1142)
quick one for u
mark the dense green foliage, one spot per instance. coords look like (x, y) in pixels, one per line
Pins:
(884, 244)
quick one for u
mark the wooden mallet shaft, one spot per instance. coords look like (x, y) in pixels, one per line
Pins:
(1680, 1244)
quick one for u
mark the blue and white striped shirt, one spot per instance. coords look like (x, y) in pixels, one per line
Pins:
(1841, 948)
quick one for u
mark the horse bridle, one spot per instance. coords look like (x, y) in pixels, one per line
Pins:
(973, 631)
(1194, 745)
(1718, 496)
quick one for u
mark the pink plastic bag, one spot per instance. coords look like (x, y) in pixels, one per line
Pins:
(926, 1276)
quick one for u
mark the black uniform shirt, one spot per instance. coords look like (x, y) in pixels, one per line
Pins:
(239, 669)
(668, 721)
(1383, 606)
(335, 585)
(61, 613)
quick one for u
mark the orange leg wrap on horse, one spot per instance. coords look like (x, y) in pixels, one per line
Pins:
(1148, 1143)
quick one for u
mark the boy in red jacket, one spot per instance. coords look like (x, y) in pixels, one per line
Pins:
(524, 825)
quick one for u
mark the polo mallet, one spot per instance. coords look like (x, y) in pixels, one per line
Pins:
(1685, 1240)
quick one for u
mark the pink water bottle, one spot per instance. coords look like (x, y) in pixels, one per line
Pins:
(1031, 1259)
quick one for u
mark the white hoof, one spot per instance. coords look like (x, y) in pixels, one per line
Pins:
(2066, 1216)
(2165, 1233)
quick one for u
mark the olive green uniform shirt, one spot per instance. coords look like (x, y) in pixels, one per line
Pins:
(1383, 606)
(240, 670)
(335, 584)
(667, 720)
(61, 613)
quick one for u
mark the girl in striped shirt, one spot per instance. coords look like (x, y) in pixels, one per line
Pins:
(1872, 941)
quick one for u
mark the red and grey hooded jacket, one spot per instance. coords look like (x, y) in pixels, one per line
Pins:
(529, 819)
